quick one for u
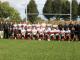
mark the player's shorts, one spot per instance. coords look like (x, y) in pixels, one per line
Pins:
(72, 36)
(52, 37)
(1, 34)
(35, 37)
(23, 34)
(57, 36)
(46, 36)
(41, 35)
(28, 36)
(62, 36)
(76, 32)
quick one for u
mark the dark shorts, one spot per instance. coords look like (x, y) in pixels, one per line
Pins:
(76, 33)
(35, 36)
(72, 36)
(41, 35)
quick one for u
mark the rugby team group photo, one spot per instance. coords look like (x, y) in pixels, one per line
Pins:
(67, 31)
(39, 29)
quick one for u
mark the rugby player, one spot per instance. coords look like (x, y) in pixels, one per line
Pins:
(62, 34)
(34, 33)
(67, 34)
(29, 32)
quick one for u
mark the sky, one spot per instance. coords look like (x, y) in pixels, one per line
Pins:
(21, 4)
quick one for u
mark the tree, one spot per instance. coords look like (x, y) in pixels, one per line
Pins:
(47, 10)
(14, 14)
(57, 8)
(6, 11)
(74, 9)
(79, 9)
(66, 9)
(31, 10)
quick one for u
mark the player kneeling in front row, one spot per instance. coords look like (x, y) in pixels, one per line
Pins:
(52, 34)
(41, 33)
(34, 33)
(1, 30)
(23, 32)
(28, 34)
(67, 34)
(62, 34)
(73, 34)
(46, 34)
(57, 34)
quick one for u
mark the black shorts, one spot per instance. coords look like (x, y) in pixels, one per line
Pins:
(76, 32)
(72, 35)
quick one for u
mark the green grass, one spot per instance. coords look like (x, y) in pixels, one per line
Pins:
(39, 50)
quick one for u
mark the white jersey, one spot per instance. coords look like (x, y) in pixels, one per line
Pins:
(45, 30)
(23, 31)
(29, 31)
(34, 31)
(67, 31)
(15, 26)
(38, 28)
(63, 32)
(24, 25)
(49, 29)
(38, 25)
(56, 31)
(19, 26)
(52, 32)
(41, 31)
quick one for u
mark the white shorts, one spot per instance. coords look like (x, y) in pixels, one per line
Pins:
(1, 34)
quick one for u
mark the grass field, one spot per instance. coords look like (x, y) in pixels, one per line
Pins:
(39, 50)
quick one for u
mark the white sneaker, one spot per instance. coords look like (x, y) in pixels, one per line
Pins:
(39, 39)
(48, 39)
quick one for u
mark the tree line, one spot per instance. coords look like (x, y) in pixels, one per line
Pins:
(52, 8)
(8, 12)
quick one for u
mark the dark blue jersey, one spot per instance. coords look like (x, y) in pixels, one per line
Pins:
(71, 26)
(65, 27)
